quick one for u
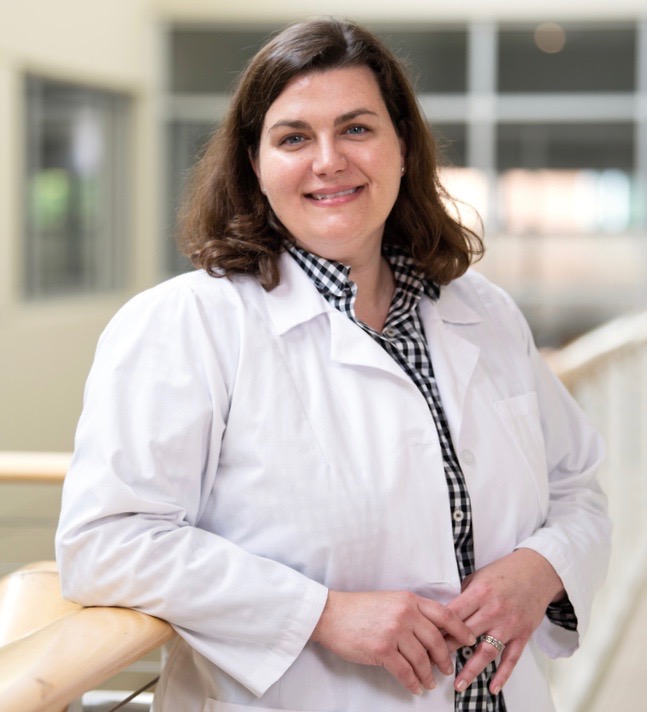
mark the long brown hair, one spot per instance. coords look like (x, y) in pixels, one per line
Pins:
(226, 224)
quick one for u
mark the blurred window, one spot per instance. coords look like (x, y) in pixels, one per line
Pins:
(436, 60)
(451, 143)
(563, 58)
(209, 61)
(566, 178)
(186, 141)
(76, 188)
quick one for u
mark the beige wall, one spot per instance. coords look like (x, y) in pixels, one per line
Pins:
(46, 347)
(286, 10)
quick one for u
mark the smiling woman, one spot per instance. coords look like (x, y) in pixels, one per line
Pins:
(333, 455)
(330, 163)
(229, 227)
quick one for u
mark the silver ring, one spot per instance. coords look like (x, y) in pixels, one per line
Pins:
(499, 645)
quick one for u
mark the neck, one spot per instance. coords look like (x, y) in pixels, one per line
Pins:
(375, 289)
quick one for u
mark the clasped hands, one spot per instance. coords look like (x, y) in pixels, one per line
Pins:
(411, 636)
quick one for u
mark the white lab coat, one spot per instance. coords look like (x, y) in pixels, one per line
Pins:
(241, 451)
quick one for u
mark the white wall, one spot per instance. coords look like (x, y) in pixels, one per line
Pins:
(46, 347)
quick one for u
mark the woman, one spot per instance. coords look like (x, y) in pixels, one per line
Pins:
(332, 458)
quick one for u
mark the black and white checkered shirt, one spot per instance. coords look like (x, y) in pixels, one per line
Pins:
(403, 339)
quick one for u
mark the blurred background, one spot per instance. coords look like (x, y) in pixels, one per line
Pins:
(540, 111)
(539, 108)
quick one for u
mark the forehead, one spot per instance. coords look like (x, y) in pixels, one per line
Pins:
(333, 91)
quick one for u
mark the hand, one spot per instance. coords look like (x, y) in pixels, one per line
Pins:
(400, 631)
(506, 599)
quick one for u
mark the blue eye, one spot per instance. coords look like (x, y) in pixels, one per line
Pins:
(292, 140)
(357, 130)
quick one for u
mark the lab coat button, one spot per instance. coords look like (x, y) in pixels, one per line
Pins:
(468, 457)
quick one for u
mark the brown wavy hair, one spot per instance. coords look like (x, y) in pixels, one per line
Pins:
(226, 225)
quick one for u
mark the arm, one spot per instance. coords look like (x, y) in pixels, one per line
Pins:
(568, 555)
(147, 451)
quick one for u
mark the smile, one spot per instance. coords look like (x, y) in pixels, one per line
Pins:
(330, 196)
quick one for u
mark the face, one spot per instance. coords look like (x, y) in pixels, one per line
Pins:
(330, 162)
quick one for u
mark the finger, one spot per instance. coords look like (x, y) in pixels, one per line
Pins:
(447, 620)
(483, 656)
(430, 638)
(400, 668)
(452, 644)
(509, 659)
(417, 657)
(435, 645)
(466, 604)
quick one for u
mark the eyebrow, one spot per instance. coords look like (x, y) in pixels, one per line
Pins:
(298, 124)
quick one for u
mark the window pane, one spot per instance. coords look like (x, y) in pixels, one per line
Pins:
(563, 58)
(567, 178)
(567, 145)
(209, 61)
(76, 188)
(437, 61)
(186, 142)
(451, 143)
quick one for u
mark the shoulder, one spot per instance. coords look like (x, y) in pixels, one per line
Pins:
(181, 295)
(493, 305)
(191, 308)
(480, 293)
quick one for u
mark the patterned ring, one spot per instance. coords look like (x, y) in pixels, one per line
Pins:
(493, 641)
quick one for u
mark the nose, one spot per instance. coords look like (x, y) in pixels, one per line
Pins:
(329, 157)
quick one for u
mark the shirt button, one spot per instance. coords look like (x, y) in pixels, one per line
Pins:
(467, 653)
(458, 515)
(468, 457)
(389, 332)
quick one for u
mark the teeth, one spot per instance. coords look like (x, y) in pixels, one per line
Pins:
(322, 196)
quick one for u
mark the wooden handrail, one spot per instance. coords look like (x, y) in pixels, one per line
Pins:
(34, 466)
(30, 598)
(71, 649)
(593, 350)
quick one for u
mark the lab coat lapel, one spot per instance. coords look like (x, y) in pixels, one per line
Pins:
(350, 344)
(296, 301)
(453, 356)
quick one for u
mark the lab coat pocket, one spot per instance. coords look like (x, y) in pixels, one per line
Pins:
(521, 418)
(216, 706)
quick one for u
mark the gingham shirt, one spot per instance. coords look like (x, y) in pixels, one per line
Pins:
(403, 339)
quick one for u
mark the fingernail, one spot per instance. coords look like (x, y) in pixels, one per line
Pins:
(430, 685)
(496, 690)
(418, 691)
(449, 670)
(471, 640)
(461, 685)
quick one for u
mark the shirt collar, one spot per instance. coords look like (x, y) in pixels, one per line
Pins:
(332, 278)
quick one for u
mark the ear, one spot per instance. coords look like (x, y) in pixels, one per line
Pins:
(403, 148)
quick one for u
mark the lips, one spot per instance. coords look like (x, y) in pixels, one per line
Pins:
(332, 196)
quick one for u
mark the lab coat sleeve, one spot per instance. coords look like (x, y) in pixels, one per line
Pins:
(146, 453)
(575, 537)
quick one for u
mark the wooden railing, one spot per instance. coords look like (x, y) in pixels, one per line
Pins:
(34, 466)
(52, 650)
(606, 371)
